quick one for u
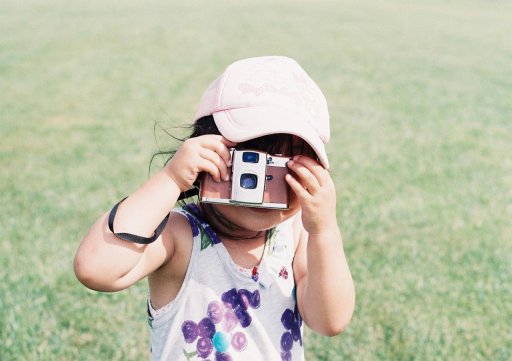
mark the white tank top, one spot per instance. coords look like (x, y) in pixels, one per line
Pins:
(226, 313)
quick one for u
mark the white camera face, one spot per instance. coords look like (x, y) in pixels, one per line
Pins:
(249, 175)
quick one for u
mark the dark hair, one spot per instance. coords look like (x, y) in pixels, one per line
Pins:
(279, 143)
(273, 144)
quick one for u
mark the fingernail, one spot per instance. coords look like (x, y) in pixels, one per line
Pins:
(290, 163)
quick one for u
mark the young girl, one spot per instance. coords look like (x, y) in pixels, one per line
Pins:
(230, 282)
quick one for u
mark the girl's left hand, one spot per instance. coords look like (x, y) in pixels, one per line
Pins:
(316, 193)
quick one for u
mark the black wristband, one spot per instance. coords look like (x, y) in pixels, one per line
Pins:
(132, 237)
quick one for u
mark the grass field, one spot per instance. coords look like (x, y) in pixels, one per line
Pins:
(420, 97)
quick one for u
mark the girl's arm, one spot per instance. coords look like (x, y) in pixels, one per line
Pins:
(107, 263)
(325, 290)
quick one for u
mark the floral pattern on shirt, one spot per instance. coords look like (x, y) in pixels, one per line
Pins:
(218, 334)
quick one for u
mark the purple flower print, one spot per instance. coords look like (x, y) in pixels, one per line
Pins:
(295, 332)
(286, 356)
(230, 321)
(239, 302)
(291, 321)
(239, 341)
(215, 311)
(288, 319)
(286, 341)
(216, 333)
(223, 356)
(190, 331)
(204, 347)
(206, 328)
(250, 299)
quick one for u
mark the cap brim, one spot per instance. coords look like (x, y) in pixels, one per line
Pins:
(241, 124)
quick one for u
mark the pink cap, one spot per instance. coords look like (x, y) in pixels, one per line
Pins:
(268, 95)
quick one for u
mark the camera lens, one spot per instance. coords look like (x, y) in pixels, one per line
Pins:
(248, 181)
(250, 157)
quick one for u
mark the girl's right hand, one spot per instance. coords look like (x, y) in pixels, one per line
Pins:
(207, 153)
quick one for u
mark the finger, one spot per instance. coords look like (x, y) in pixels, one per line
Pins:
(218, 162)
(313, 166)
(206, 165)
(220, 145)
(306, 178)
(297, 187)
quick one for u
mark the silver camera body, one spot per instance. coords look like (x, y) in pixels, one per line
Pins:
(257, 180)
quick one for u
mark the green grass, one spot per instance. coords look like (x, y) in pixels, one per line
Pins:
(420, 100)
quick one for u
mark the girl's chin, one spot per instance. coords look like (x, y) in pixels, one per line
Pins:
(256, 213)
(252, 218)
(260, 210)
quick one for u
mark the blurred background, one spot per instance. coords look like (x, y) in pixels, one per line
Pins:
(420, 96)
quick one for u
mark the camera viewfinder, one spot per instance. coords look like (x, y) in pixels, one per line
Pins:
(250, 157)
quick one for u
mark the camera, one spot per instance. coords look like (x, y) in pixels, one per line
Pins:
(257, 180)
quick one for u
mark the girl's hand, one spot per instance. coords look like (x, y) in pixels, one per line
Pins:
(207, 153)
(315, 191)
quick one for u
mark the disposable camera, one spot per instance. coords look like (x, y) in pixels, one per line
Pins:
(257, 180)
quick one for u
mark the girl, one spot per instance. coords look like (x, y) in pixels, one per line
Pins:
(231, 282)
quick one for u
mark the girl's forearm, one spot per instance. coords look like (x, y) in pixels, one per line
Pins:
(329, 295)
(144, 209)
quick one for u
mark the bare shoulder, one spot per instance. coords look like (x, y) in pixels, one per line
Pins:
(166, 281)
(178, 231)
(178, 234)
